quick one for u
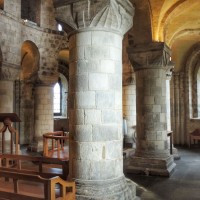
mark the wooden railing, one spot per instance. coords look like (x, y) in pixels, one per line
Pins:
(16, 165)
(48, 185)
(57, 139)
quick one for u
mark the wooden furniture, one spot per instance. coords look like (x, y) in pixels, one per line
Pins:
(48, 187)
(61, 167)
(194, 135)
(170, 135)
(7, 119)
(57, 139)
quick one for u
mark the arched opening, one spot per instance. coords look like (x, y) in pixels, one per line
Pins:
(1, 4)
(30, 10)
(193, 74)
(57, 100)
(61, 117)
(25, 108)
(29, 60)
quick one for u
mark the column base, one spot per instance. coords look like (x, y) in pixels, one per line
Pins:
(36, 146)
(175, 153)
(114, 189)
(151, 166)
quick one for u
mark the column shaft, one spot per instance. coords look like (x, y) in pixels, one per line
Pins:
(152, 155)
(43, 113)
(95, 114)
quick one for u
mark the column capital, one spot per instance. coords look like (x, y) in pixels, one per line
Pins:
(47, 78)
(82, 15)
(151, 55)
(9, 72)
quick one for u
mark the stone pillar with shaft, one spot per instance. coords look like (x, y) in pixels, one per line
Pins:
(169, 73)
(44, 121)
(8, 73)
(96, 30)
(152, 155)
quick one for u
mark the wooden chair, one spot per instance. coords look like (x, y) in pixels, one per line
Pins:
(57, 139)
(194, 135)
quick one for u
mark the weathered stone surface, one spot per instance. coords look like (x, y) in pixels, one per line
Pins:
(149, 63)
(115, 15)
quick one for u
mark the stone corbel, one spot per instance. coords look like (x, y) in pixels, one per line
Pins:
(113, 15)
(152, 55)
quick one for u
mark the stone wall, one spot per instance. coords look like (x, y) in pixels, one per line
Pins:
(13, 32)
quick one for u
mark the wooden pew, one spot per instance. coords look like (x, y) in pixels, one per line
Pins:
(48, 187)
(40, 163)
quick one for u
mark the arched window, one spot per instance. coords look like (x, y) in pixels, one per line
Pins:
(1, 4)
(57, 98)
(30, 11)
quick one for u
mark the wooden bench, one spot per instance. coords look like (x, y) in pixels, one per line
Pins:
(194, 135)
(61, 167)
(15, 192)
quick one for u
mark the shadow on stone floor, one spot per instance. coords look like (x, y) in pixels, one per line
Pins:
(183, 184)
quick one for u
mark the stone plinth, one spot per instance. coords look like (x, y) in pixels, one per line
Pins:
(95, 91)
(150, 63)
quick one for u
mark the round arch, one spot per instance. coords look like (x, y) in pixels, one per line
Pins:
(63, 62)
(192, 66)
(1, 4)
(30, 57)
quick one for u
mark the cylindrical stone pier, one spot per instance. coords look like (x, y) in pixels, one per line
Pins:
(43, 113)
(95, 96)
(6, 100)
(95, 116)
(152, 155)
(8, 73)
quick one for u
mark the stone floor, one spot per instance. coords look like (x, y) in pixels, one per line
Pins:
(184, 183)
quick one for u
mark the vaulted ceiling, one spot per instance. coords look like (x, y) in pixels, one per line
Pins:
(175, 22)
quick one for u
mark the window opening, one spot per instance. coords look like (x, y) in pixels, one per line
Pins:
(57, 90)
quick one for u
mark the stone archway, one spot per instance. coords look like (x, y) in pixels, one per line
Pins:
(29, 67)
(192, 66)
(63, 69)
(1, 4)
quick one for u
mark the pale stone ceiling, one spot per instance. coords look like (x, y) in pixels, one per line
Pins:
(176, 22)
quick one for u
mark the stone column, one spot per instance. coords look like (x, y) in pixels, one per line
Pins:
(152, 155)
(176, 80)
(8, 73)
(26, 111)
(44, 121)
(95, 95)
(169, 71)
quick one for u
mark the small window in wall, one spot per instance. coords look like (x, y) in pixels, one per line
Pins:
(30, 10)
(60, 27)
(57, 99)
(1, 4)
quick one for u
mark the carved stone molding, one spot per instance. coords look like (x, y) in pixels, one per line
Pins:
(112, 15)
(152, 55)
(128, 79)
(47, 78)
(9, 72)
